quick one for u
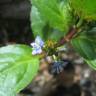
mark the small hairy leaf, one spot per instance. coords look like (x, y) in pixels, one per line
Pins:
(17, 68)
(85, 44)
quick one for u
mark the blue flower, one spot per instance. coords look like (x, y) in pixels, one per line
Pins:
(39, 41)
(37, 46)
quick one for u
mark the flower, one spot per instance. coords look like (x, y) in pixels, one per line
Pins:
(37, 46)
(39, 41)
(57, 67)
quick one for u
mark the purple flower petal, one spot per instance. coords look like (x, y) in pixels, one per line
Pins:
(35, 52)
(39, 41)
(37, 46)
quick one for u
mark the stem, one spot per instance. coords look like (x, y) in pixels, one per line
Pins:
(72, 32)
(68, 36)
(54, 57)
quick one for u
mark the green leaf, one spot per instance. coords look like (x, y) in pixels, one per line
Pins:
(37, 22)
(85, 8)
(17, 68)
(50, 11)
(40, 27)
(50, 18)
(85, 44)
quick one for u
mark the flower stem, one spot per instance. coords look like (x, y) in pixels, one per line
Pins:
(68, 37)
(72, 32)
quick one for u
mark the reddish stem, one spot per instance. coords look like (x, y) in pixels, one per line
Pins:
(68, 36)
